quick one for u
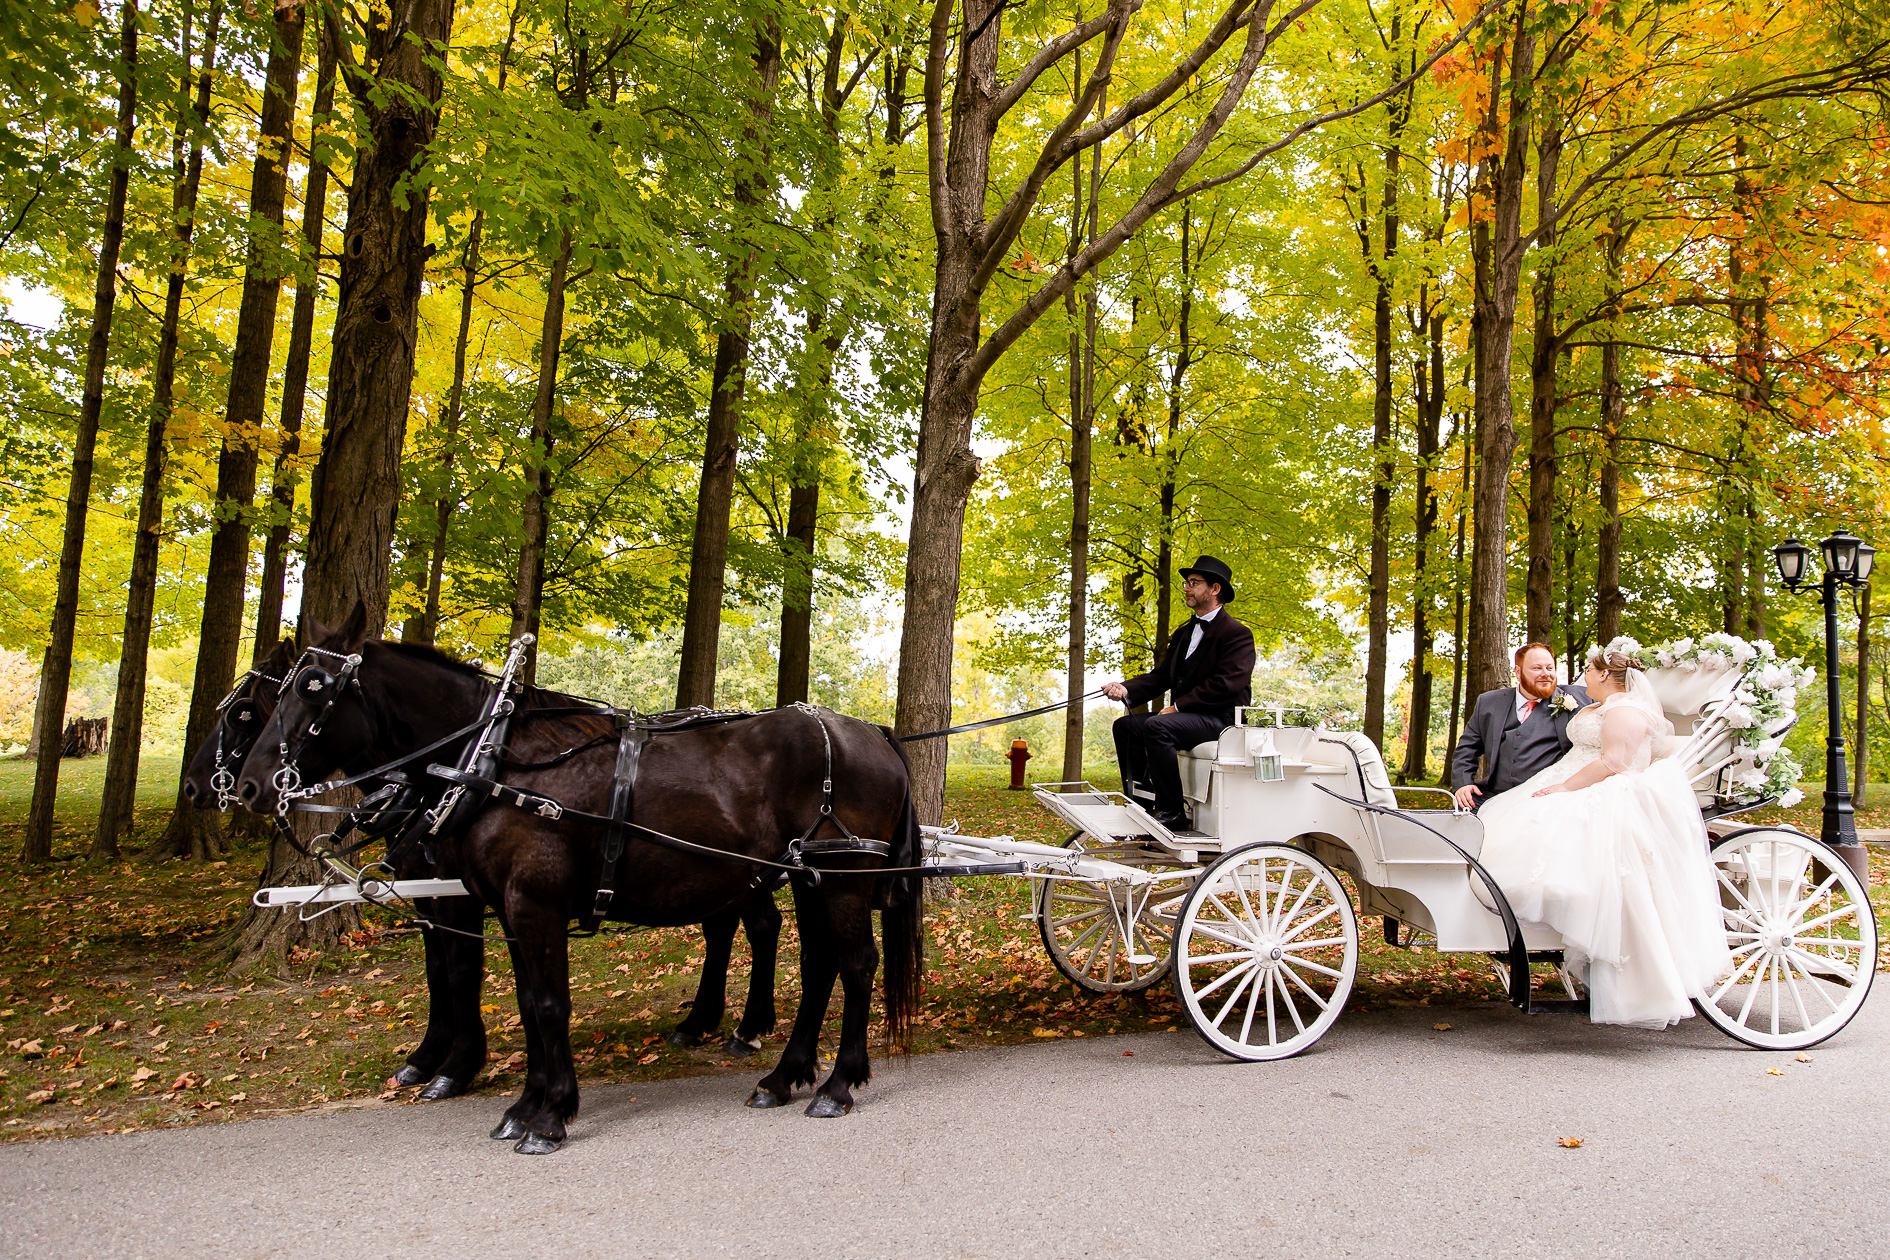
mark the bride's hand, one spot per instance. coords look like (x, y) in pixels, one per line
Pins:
(1551, 790)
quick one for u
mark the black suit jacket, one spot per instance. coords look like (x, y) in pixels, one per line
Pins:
(1213, 681)
(1494, 714)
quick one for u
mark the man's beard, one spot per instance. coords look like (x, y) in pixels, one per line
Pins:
(1529, 690)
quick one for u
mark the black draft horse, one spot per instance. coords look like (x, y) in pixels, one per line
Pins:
(747, 787)
(453, 1049)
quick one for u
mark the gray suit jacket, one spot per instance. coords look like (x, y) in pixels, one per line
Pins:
(1494, 714)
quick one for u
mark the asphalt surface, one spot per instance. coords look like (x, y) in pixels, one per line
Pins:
(1388, 1138)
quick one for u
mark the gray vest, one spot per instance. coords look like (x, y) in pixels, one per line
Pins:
(1527, 749)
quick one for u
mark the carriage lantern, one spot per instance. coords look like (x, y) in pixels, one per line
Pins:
(1268, 765)
(1847, 562)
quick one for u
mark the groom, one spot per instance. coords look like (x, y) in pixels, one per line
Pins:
(1516, 731)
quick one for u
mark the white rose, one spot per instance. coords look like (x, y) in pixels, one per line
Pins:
(1665, 658)
(1767, 749)
(1790, 798)
(1749, 779)
(1765, 649)
(1715, 660)
(1682, 647)
(1739, 717)
(1688, 667)
(1742, 651)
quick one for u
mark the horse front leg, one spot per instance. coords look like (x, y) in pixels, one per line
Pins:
(424, 1063)
(542, 963)
(711, 1003)
(819, 965)
(461, 920)
(761, 920)
(851, 915)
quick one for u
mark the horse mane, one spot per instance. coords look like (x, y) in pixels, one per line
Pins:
(529, 697)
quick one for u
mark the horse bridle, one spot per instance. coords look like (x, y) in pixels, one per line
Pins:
(222, 777)
(312, 683)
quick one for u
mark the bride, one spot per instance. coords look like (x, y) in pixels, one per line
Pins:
(1607, 847)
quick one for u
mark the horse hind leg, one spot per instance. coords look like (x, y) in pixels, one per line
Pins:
(819, 966)
(761, 920)
(711, 1002)
(858, 960)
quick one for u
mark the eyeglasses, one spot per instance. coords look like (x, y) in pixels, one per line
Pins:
(1193, 581)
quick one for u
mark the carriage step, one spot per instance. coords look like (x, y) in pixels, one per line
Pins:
(1539, 1006)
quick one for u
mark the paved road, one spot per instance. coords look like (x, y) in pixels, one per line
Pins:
(1390, 1138)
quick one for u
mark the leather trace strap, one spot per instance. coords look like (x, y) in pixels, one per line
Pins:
(623, 783)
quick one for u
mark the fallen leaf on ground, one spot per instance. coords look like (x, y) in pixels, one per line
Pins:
(143, 1074)
(1128, 1054)
(41, 1096)
(1572, 1142)
(1775, 1071)
(242, 1097)
(1804, 1058)
(1045, 1032)
(648, 1058)
(1441, 1027)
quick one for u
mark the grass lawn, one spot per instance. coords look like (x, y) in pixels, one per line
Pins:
(116, 1012)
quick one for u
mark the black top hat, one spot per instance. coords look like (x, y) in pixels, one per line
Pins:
(1212, 570)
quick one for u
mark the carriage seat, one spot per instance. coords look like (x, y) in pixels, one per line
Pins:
(1197, 770)
(1353, 750)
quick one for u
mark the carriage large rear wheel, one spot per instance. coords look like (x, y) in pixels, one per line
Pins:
(1112, 938)
(1265, 952)
(1803, 938)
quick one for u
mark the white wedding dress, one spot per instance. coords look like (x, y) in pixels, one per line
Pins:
(1618, 868)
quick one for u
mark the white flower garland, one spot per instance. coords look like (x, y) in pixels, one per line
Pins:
(1767, 692)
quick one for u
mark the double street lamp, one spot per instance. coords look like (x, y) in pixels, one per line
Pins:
(1847, 561)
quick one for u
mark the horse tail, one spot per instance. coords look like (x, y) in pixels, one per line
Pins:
(902, 920)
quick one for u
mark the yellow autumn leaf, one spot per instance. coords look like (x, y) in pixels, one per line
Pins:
(1572, 1142)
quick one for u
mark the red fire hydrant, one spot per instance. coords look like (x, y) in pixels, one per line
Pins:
(1019, 754)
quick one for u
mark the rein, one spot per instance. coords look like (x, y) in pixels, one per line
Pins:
(999, 721)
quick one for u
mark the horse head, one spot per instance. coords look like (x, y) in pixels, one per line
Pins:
(210, 779)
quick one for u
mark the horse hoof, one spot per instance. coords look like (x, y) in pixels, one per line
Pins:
(442, 1087)
(741, 1049)
(765, 1098)
(826, 1107)
(682, 1038)
(537, 1144)
(509, 1130)
(407, 1077)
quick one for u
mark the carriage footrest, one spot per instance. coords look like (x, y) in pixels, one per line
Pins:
(1539, 1006)
(981, 868)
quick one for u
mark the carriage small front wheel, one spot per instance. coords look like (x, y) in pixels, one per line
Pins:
(1802, 935)
(1266, 950)
(1112, 937)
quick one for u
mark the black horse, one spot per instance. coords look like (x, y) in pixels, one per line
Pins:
(745, 788)
(453, 1049)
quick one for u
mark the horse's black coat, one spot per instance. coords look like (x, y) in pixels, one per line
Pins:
(744, 787)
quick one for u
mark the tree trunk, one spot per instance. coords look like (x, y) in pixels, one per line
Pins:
(1608, 598)
(121, 759)
(708, 552)
(295, 368)
(1384, 470)
(1171, 463)
(1458, 646)
(356, 487)
(55, 677)
(194, 832)
(1497, 251)
(1431, 396)
(1539, 597)
(529, 588)
(1082, 422)
(1863, 696)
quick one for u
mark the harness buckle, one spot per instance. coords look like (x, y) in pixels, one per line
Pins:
(550, 809)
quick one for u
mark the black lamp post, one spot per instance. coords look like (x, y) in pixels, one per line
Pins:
(1847, 562)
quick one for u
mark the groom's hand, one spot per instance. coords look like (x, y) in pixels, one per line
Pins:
(1115, 691)
(1466, 796)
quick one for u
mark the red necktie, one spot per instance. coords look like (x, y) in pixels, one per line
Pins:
(1529, 706)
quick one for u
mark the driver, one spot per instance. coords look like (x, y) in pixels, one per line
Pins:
(1207, 672)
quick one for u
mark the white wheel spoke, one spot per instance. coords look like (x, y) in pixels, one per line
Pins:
(1309, 991)
(1817, 894)
(1225, 976)
(1240, 886)
(1777, 967)
(1848, 910)
(1312, 886)
(1201, 929)
(1318, 944)
(1228, 1005)
(1734, 979)
(1330, 910)
(1798, 999)
(1292, 1007)
(1758, 978)
(1725, 881)
(1813, 964)
(1073, 919)
(1089, 934)
(1245, 925)
(1273, 1031)
(1310, 965)
(1201, 960)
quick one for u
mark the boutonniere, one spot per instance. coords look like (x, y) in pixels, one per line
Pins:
(1565, 702)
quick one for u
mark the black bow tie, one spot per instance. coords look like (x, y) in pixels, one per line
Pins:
(1196, 621)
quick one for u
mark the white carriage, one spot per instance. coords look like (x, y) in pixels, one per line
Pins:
(1252, 914)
